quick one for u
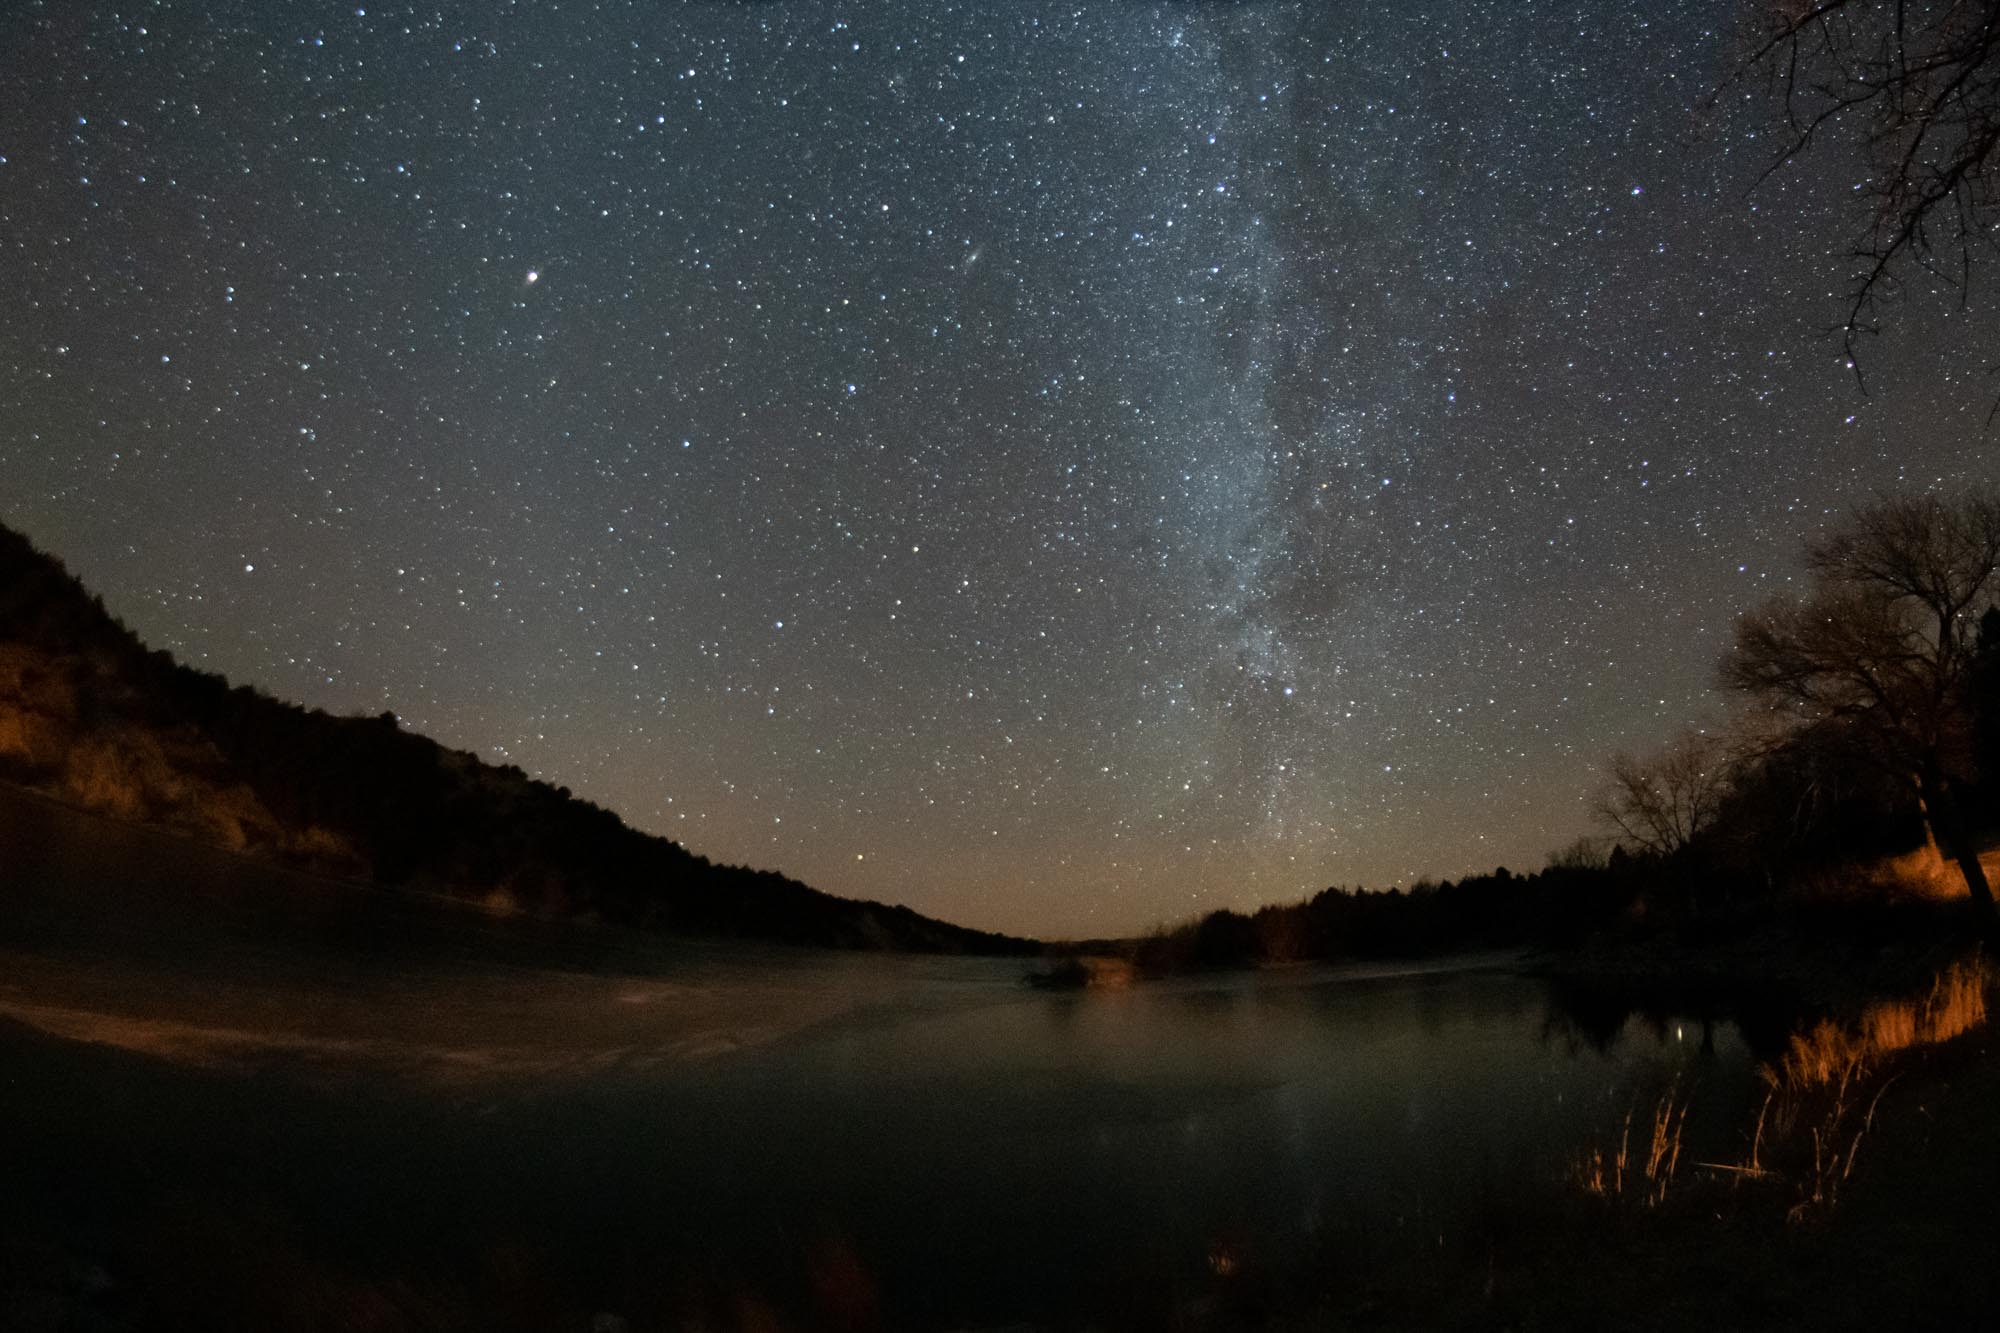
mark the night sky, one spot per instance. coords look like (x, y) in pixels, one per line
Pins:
(1063, 467)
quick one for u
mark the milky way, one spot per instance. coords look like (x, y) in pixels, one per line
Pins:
(1061, 467)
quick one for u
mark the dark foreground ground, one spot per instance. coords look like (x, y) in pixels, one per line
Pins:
(237, 1071)
(1911, 1242)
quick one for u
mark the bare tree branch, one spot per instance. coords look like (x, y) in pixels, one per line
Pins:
(1663, 802)
(1919, 83)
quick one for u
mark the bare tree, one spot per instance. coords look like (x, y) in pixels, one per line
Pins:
(1584, 853)
(1661, 803)
(1919, 82)
(1877, 658)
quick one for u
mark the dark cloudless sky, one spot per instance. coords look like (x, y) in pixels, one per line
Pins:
(1062, 467)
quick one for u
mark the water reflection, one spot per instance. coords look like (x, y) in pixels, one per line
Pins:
(991, 1156)
(471, 1133)
(1824, 1081)
(1598, 1018)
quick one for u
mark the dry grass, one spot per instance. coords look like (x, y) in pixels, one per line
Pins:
(1826, 1087)
(1922, 874)
(1821, 1098)
(1614, 1176)
(1833, 1055)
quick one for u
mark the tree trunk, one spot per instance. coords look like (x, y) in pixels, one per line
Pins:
(1941, 821)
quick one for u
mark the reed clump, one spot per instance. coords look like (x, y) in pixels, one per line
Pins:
(1824, 1090)
(1822, 1093)
(1649, 1177)
(1833, 1054)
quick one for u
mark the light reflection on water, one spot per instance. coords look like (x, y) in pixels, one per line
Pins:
(642, 1127)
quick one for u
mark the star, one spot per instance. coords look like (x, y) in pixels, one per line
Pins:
(1242, 552)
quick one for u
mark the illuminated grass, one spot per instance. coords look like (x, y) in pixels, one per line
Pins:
(1822, 1094)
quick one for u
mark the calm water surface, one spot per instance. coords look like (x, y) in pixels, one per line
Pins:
(265, 1090)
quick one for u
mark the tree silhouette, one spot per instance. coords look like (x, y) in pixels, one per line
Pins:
(1919, 83)
(1663, 802)
(1878, 658)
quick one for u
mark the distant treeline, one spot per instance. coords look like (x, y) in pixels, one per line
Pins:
(92, 717)
(1746, 869)
(1799, 822)
(1556, 907)
(1865, 770)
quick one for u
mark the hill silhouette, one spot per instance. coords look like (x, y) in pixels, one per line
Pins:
(92, 717)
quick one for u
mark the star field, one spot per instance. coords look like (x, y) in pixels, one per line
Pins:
(1061, 467)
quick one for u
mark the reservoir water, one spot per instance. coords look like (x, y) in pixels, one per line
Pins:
(252, 1099)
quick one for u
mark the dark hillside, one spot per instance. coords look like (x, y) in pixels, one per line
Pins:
(89, 715)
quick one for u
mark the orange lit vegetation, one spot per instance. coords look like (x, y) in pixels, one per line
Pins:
(1821, 1097)
(1618, 1177)
(1833, 1054)
(1825, 1089)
